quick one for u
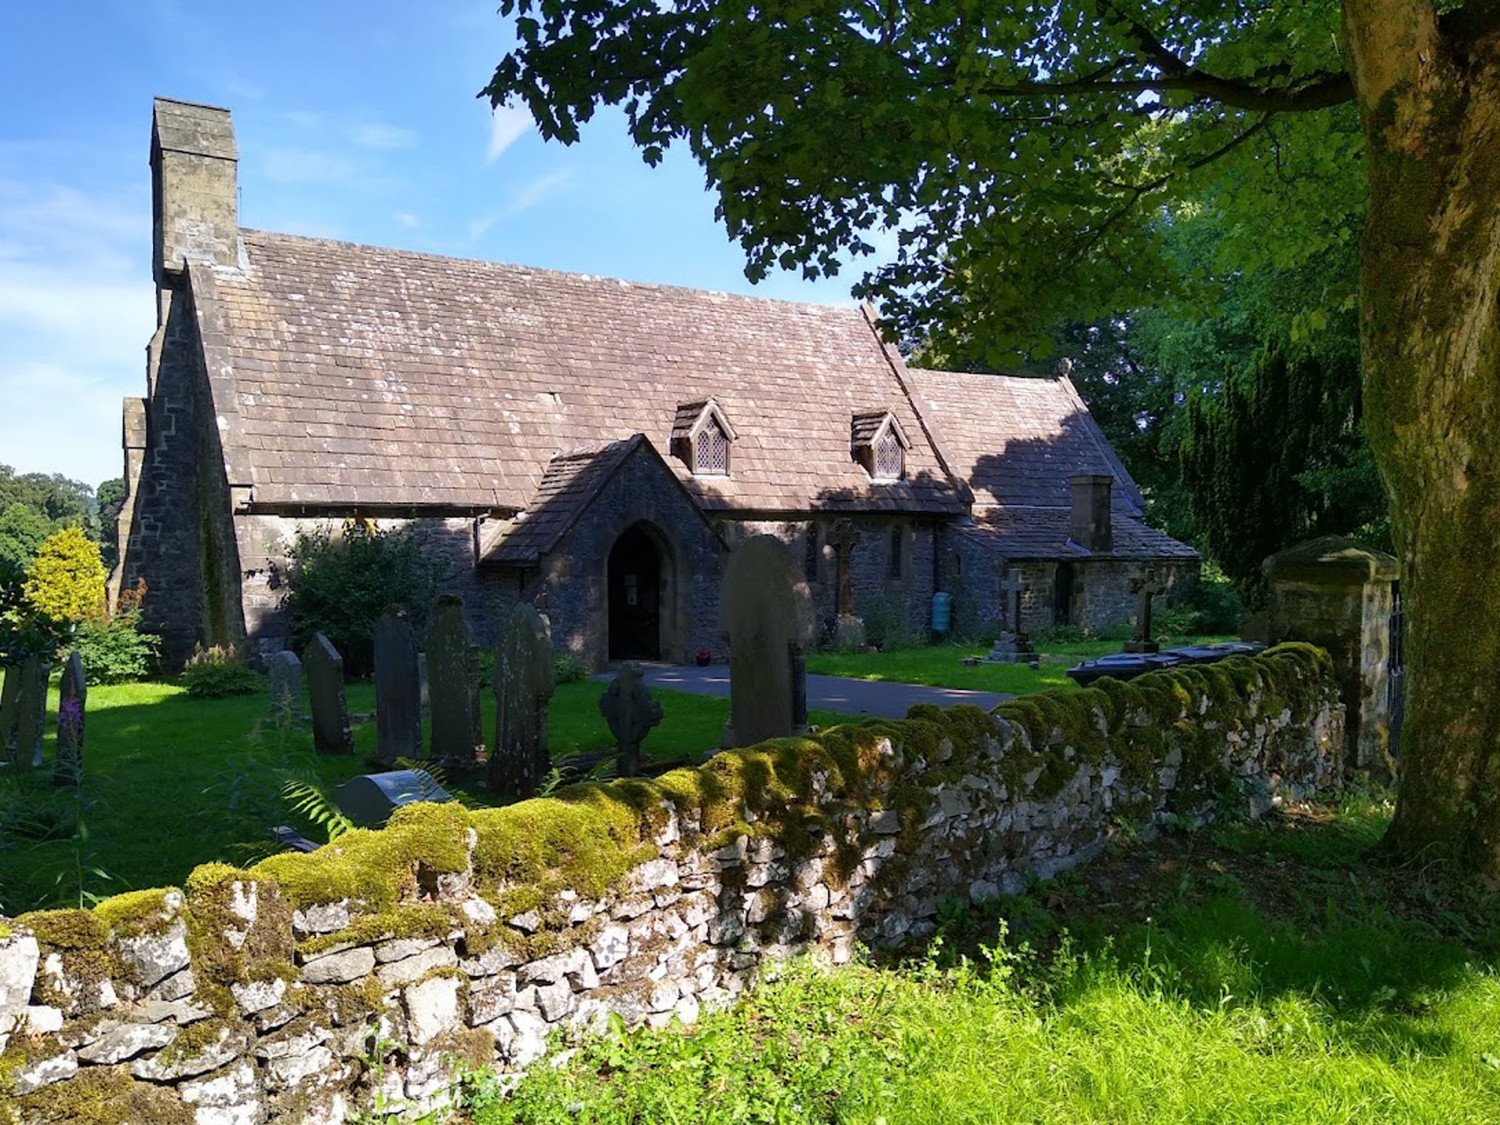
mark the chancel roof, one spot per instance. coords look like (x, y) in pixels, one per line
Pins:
(365, 377)
(1017, 440)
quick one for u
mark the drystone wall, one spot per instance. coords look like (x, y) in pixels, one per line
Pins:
(363, 976)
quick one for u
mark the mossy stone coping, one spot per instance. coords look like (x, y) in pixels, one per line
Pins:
(1332, 561)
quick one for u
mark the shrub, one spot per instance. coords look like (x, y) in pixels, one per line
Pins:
(886, 623)
(23, 631)
(66, 582)
(569, 669)
(114, 649)
(217, 672)
(340, 585)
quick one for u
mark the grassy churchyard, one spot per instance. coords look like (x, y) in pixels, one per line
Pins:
(172, 781)
(943, 665)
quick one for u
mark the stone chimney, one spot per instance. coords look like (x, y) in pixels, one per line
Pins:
(193, 206)
(1090, 526)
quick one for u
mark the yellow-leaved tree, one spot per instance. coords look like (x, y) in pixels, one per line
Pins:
(66, 582)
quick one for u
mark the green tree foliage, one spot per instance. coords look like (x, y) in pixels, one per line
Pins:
(23, 530)
(1028, 155)
(110, 499)
(66, 580)
(340, 584)
(23, 631)
(1279, 457)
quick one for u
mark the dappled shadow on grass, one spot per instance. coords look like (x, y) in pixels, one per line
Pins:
(1282, 928)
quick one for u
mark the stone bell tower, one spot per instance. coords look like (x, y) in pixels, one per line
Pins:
(194, 218)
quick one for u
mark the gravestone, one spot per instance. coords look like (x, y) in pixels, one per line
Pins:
(330, 706)
(31, 713)
(631, 713)
(398, 714)
(10, 710)
(423, 697)
(453, 687)
(1013, 646)
(765, 610)
(524, 682)
(1145, 586)
(285, 672)
(72, 704)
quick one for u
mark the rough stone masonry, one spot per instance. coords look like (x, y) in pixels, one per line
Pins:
(456, 937)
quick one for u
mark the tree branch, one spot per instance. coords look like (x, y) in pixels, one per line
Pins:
(1320, 92)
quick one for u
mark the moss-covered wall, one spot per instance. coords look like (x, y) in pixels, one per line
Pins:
(312, 986)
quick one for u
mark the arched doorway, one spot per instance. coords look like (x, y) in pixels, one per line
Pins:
(635, 596)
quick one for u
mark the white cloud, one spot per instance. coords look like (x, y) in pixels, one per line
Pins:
(380, 136)
(407, 220)
(508, 125)
(536, 191)
(295, 166)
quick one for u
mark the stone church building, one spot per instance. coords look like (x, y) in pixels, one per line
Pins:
(592, 445)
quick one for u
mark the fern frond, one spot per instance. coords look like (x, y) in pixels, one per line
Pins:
(308, 799)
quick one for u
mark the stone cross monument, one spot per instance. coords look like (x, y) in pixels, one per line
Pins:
(631, 714)
(1014, 645)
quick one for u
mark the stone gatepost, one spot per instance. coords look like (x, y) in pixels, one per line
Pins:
(1340, 595)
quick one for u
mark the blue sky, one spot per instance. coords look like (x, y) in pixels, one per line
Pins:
(354, 121)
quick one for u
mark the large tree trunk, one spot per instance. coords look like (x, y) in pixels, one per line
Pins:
(1430, 334)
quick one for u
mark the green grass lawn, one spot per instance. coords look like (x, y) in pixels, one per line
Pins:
(1233, 976)
(943, 666)
(172, 782)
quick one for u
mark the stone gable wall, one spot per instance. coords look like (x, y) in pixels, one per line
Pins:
(1101, 591)
(456, 937)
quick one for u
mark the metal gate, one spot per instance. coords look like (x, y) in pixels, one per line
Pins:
(1395, 667)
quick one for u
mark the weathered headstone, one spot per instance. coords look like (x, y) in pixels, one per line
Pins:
(631, 713)
(1013, 646)
(765, 609)
(453, 687)
(10, 710)
(330, 706)
(398, 714)
(72, 704)
(1145, 586)
(31, 713)
(285, 672)
(524, 682)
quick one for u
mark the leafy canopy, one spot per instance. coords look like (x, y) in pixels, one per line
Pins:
(66, 582)
(1025, 153)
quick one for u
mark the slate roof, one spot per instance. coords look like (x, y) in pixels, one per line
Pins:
(571, 481)
(370, 377)
(1017, 440)
(1042, 533)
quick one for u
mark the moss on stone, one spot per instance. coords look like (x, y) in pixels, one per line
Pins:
(104, 1096)
(136, 913)
(260, 950)
(67, 930)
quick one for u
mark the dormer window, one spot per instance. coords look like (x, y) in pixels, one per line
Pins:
(701, 437)
(879, 444)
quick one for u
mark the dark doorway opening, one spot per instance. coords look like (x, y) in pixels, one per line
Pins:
(1062, 594)
(635, 597)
